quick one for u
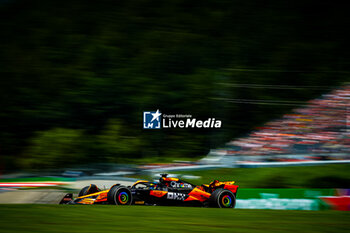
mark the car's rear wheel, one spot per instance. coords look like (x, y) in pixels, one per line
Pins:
(223, 198)
(119, 195)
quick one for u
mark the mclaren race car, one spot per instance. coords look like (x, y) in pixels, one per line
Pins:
(168, 191)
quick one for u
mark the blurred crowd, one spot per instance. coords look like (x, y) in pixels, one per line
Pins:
(321, 127)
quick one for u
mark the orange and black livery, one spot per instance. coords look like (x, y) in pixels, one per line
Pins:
(168, 191)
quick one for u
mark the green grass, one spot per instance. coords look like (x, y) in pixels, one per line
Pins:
(327, 176)
(54, 218)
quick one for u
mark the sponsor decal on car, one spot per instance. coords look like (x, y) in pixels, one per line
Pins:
(175, 184)
(176, 196)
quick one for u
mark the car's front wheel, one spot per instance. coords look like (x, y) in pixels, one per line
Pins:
(119, 195)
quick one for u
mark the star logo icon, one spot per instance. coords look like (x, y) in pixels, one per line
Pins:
(152, 120)
(156, 115)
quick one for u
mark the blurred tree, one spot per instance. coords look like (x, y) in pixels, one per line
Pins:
(77, 65)
(54, 148)
(115, 145)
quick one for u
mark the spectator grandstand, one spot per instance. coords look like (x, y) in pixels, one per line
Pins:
(318, 131)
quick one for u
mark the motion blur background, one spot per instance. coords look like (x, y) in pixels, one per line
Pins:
(76, 76)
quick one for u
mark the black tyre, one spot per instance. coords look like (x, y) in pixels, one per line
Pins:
(119, 195)
(222, 198)
(84, 191)
(92, 188)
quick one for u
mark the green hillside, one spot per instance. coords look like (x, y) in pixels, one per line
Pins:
(76, 76)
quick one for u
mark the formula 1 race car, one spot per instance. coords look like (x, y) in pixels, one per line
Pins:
(168, 191)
